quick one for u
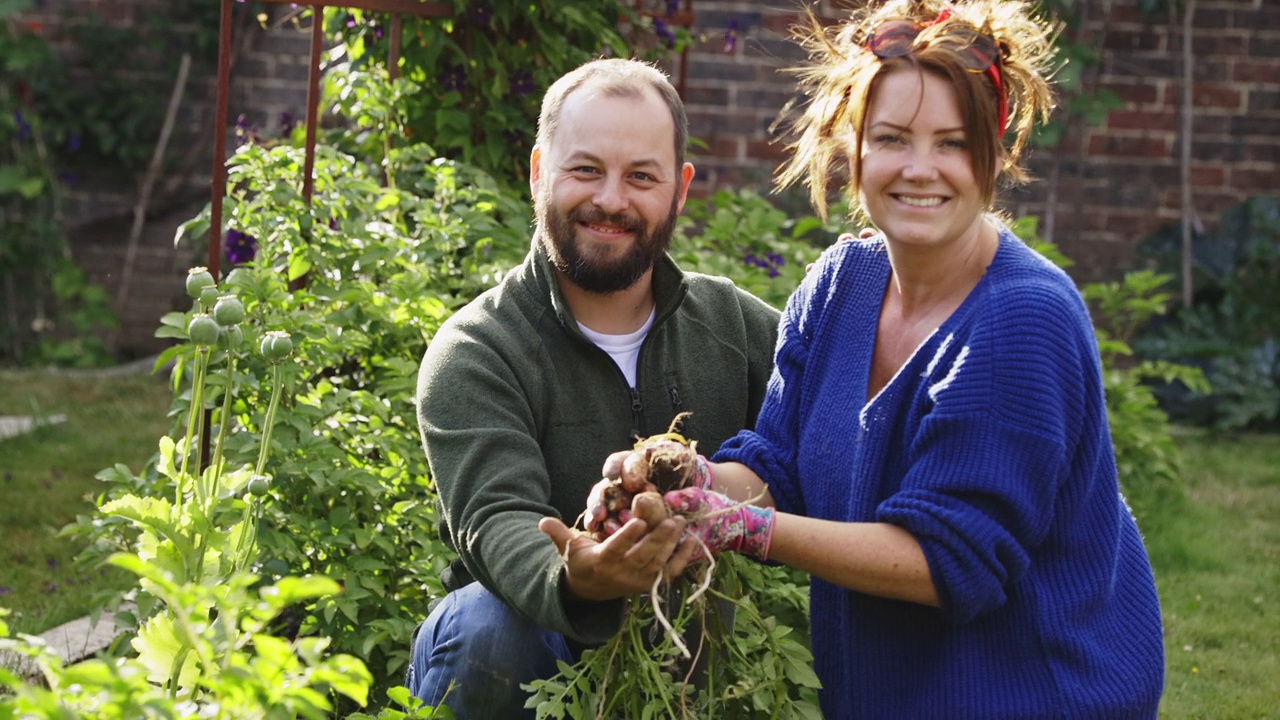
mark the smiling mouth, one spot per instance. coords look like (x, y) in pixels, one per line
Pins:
(605, 229)
(919, 201)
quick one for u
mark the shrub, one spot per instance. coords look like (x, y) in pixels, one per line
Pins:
(1232, 329)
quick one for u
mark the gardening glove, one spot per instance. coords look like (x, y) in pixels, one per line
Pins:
(722, 523)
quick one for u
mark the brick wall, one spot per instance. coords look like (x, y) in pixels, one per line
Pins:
(268, 82)
(1100, 191)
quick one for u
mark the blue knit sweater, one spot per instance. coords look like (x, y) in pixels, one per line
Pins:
(991, 446)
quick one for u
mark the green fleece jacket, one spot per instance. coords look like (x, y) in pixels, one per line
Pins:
(518, 410)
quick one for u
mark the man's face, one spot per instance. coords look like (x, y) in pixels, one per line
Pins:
(607, 190)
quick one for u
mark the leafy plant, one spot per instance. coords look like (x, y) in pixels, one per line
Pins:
(756, 665)
(1233, 327)
(742, 235)
(202, 641)
(482, 71)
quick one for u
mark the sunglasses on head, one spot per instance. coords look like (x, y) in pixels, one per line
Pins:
(978, 52)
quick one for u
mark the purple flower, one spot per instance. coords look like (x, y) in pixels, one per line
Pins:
(453, 77)
(52, 587)
(240, 247)
(53, 564)
(5, 590)
(522, 83)
(287, 122)
(351, 20)
(664, 32)
(73, 142)
(770, 262)
(480, 14)
(24, 128)
(731, 37)
(245, 133)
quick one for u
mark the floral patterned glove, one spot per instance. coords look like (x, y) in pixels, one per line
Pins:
(722, 523)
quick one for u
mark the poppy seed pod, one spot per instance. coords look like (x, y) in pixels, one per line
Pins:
(203, 330)
(276, 345)
(198, 278)
(228, 310)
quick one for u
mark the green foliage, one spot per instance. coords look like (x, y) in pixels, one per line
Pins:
(742, 235)
(1232, 330)
(202, 643)
(758, 666)
(245, 672)
(383, 268)
(1072, 61)
(85, 311)
(482, 71)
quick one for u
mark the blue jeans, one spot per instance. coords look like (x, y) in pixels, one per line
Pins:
(476, 642)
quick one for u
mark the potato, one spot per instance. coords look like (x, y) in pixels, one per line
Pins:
(649, 507)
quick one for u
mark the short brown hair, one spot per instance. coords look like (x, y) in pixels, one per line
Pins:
(615, 77)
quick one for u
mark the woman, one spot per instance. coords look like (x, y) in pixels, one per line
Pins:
(934, 448)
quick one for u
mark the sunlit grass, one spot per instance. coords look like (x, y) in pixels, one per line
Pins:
(47, 479)
(1217, 564)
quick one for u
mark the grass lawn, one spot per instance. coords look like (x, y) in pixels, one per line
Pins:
(47, 478)
(1217, 565)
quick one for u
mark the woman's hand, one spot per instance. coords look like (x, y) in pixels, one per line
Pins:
(721, 523)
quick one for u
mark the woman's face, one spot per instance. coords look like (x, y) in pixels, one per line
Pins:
(917, 182)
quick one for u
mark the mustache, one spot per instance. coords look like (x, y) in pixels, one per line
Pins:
(595, 216)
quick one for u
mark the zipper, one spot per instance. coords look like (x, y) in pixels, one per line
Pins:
(635, 414)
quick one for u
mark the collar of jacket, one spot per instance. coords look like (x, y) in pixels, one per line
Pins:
(669, 286)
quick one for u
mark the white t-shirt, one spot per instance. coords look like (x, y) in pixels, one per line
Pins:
(624, 349)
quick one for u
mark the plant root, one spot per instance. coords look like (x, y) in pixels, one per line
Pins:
(656, 597)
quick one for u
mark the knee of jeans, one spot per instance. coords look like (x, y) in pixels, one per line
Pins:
(480, 626)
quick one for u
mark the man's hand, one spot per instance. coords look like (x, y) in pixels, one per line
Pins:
(626, 563)
(863, 234)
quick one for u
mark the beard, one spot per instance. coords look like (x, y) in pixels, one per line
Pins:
(595, 271)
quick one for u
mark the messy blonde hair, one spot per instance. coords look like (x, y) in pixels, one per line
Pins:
(842, 73)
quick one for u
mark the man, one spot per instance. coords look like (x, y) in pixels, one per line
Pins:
(595, 340)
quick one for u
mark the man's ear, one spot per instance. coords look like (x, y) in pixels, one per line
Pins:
(686, 177)
(535, 169)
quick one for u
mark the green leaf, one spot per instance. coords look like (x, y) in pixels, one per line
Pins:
(291, 590)
(346, 675)
(159, 647)
(299, 263)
